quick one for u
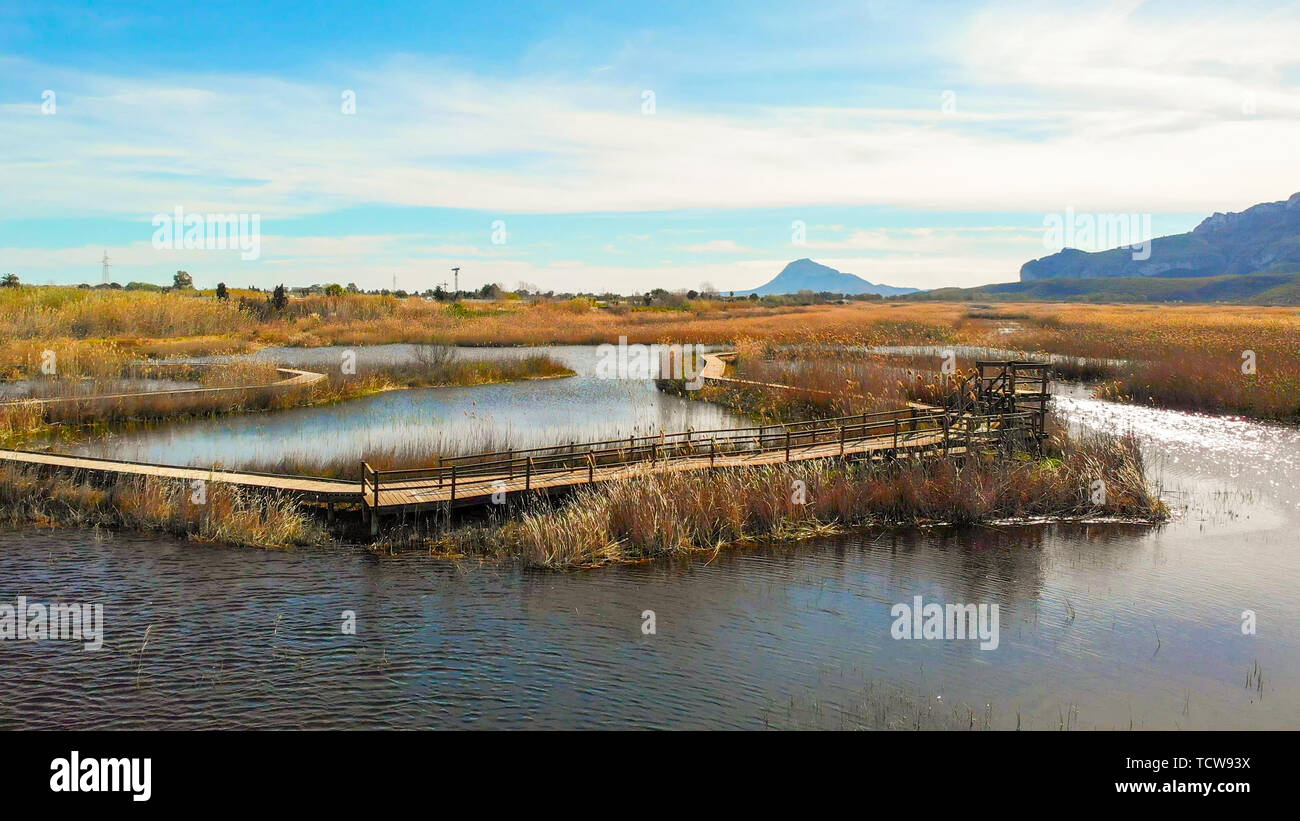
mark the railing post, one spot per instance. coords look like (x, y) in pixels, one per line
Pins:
(374, 509)
(841, 440)
(945, 434)
(787, 444)
(453, 484)
(591, 469)
(510, 464)
(365, 487)
(895, 435)
(528, 474)
(713, 446)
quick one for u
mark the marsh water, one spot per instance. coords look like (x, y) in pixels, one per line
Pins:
(423, 422)
(1101, 625)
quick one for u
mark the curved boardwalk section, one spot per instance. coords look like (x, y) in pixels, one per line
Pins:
(293, 378)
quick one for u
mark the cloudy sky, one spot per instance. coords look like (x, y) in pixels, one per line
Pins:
(568, 145)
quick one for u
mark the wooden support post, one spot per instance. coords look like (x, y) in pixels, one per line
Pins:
(591, 470)
(787, 444)
(329, 512)
(510, 464)
(895, 435)
(453, 484)
(945, 434)
(528, 474)
(713, 447)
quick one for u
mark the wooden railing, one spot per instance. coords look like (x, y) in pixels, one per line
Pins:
(893, 431)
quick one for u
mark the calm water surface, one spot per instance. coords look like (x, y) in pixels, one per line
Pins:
(1101, 625)
(424, 422)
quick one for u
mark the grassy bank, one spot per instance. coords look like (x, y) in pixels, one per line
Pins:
(227, 514)
(1187, 357)
(822, 383)
(678, 513)
(189, 323)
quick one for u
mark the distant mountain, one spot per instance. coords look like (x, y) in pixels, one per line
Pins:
(806, 275)
(1263, 239)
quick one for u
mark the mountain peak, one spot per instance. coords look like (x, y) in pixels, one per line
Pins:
(805, 274)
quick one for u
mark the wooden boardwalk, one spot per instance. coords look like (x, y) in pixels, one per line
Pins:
(309, 488)
(1005, 415)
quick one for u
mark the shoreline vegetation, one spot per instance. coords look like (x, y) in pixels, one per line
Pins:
(1214, 358)
(87, 412)
(673, 514)
(1175, 356)
(652, 516)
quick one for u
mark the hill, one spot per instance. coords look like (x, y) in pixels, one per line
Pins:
(806, 275)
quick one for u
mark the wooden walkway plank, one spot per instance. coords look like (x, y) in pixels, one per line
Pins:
(322, 489)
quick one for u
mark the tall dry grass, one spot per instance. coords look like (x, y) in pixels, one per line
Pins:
(1186, 356)
(229, 514)
(664, 514)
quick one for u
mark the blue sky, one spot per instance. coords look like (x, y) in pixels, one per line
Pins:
(919, 144)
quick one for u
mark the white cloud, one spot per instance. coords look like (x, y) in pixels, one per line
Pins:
(1130, 106)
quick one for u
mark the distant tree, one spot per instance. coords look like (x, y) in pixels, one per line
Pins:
(182, 281)
(279, 299)
(692, 294)
(222, 293)
(439, 294)
(352, 288)
(753, 297)
(334, 290)
(649, 298)
(9, 281)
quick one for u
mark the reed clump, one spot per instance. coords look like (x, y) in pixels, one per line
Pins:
(226, 514)
(665, 514)
(1211, 358)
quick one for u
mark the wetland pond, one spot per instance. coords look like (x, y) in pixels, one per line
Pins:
(1101, 625)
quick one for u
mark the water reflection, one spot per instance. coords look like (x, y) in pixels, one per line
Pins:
(1102, 625)
(422, 422)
